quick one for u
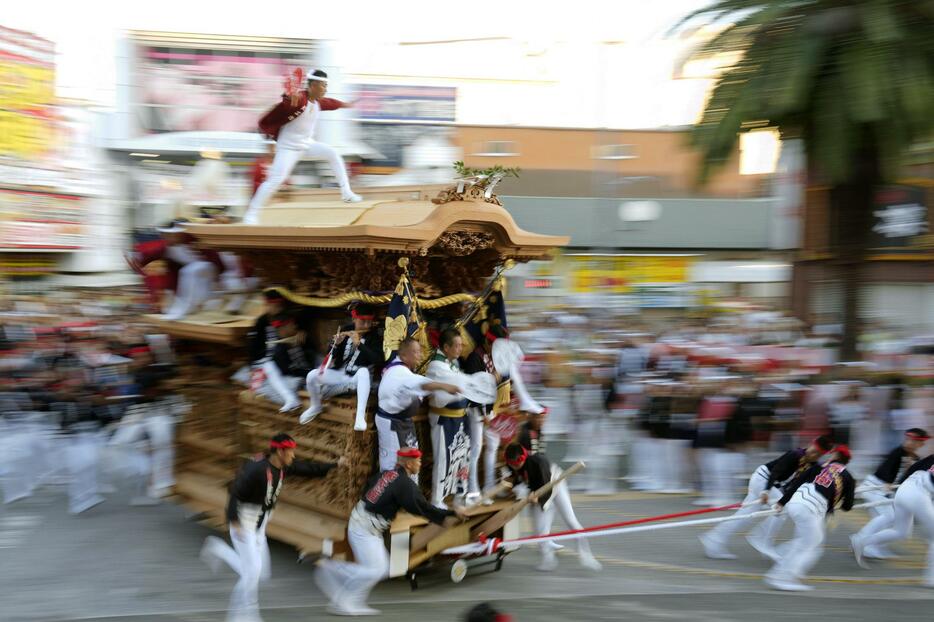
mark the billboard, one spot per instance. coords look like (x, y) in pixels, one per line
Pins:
(40, 220)
(189, 82)
(397, 116)
(620, 275)
(27, 95)
(900, 219)
(399, 103)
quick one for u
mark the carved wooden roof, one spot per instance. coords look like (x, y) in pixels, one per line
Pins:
(393, 225)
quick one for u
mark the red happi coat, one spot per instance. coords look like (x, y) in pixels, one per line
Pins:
(284, 112)
(154, 250)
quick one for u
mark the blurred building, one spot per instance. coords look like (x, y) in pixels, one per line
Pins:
(53, 195)
(643, 233)
(181, 95)
(898, 276)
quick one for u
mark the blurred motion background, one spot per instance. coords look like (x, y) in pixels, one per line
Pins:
(749, 194)
(105, 132)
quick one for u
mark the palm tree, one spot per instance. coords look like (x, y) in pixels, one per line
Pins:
(854, 79)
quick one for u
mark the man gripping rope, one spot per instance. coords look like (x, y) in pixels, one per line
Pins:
(878, 486)
(807, 501)
(534, 471)
(764, 488)
(914, 500)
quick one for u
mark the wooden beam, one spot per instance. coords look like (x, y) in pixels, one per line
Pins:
(498, 520)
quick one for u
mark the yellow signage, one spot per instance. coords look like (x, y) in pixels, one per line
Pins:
(27, 95)
(25, 86)
(619, 275)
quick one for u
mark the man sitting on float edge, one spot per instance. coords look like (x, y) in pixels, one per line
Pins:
(357, 353)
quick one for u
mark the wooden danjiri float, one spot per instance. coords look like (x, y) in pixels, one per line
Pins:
(445, 245)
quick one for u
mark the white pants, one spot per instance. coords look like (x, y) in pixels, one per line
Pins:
(517, 386)
(82, 457)
(807, 510)
(675, 460)
(22, 446)
(491, 441)
(640, 476)
(281, 167)
(476, 422)
(559, 501)
(159, 428)
(360, 380)
(355, 580)
(717, 470)
(249, 558)
(883, 516)
(760, 477)
(914, 500)
(283, 388)
(195, 286)
(238, 289)
(390, 442)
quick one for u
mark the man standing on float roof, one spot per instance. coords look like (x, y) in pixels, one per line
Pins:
(292, 125)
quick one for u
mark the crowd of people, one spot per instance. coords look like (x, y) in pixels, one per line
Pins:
(97, 391)
(692, 406)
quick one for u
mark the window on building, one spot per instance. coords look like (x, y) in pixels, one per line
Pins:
(497, 148)
(613, 152)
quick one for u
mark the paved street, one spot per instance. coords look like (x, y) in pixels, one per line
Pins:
(122, 563)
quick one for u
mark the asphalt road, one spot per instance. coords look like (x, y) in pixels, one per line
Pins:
(135, 564)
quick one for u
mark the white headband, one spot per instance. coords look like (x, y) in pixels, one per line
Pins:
(311, 76)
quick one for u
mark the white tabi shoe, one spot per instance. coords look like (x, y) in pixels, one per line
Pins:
(713, 550)
(346, 609)
(290, 406)
(328, 584)
(858, 547)
(590, 563)
(786, 585)
(208, 555)
(359, 424)
(309, 415)
(549, 562)
(351, 197)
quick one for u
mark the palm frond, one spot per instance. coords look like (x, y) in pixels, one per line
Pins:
(880, 21)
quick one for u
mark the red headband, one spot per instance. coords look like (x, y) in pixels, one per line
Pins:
(519, 460)
(844, 451)
(360, 316)
(288, 444)
(491, 337)
(409, 452)
(139, 350)
(917, 437)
